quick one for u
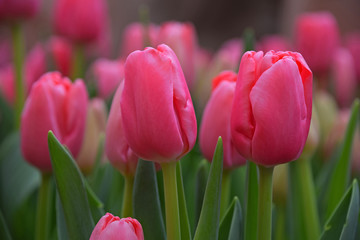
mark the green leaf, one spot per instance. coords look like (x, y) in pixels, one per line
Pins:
(60, 220)
(231, 224)
(72, 191)
(249, 39)
(4, 231)
(6, 119)
(146, 203)
(208, 226)
(343, 220)
(96, 206)
(251, 203)
(200, 186)
(184, 219)
(341, 175)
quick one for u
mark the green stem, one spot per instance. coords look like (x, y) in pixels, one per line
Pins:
(225, 192)
(251, 212)
(43, 208)
(265, 202)
(307, 198)
(280, 223)
(18, 58)
(171, 201)
(78, 63)
(127, 208)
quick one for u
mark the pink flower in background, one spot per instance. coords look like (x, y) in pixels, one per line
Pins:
(18, 9)
(61, 51)
(229, 55)
(116, 147)
(5, 52)
(111, 227)
(353, 44)
(156, 107)
(137, 37)
(344, 75)
(272, 107)
(317, 38)
(108, 75)
(182, 38)
(273, 42)
(81, 21)
(216, 121)
(7, 83)
(54, 104)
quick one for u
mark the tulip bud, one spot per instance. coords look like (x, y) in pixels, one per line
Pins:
(216, 121)
(110, 227)
(18, 9)
(317, 38)
(344, 76)
(136, 36)
(61, 51)
(108, 75)
(156, 107)
(54, 104)
(82, 21)
(272, 107)
(95, 126)
(273, 42)
(353, 44)
(182, 38)
(116, 147)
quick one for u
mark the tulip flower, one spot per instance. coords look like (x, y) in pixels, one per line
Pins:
(344, 76)
(53, 104)
(108, 75)
(5, 52)
(273, 42)
(111, 227)
(265, 128)
(95, 127)
(216, 121)
(81, 21)
(181, 37)
(311, 31)
(136, 36)
(61, 52)
(18, 9)
(158, 118)
(353, 44)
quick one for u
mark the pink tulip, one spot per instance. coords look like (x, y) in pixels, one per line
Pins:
(7, 83)
(5, 52)
(110, 227)
(353, 44)
(344, 76)
(54, 104)
(273, 42)
(108, 75)
(216, 121)
(15, 9)
(62, 53)
(82, 21)
(272, 107)
(136, 37)
(156, 107)
(317, 38)
(182, 38)
(116, 147)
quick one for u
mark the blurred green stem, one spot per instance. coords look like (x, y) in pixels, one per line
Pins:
(43, 208)
(307, 198)
(171, 201)
(251, 201)
(280, 223)
(225, 192)
(18, 58)
(127, 208)
(78, 63)
(265, 202)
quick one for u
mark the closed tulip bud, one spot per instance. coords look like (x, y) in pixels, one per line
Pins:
(62, 52)
(111, 227)
(18, 9)
(182, 38)
(116, 147)
(344, 76)
(95, 126)
(273, 42)
(156, 107)
(312, 29)
(54, 104)
(81, 21)
(108, 75)
(136, 36)
(272, 107)
(353, 44)
(216, 121)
